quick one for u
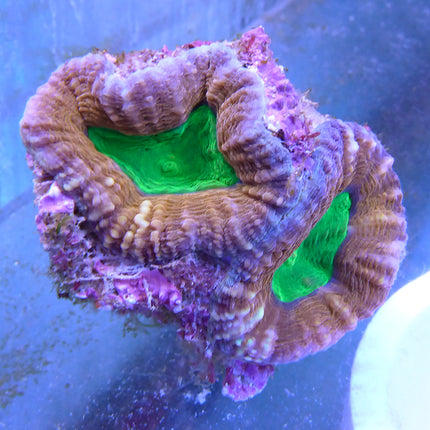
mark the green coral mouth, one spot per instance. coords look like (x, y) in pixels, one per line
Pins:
(183, 160)
(186, 159)
(311, 265)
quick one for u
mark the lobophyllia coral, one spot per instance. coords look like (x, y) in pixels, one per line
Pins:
(207, 258)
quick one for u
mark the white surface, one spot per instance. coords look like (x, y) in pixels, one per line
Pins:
(390, 382)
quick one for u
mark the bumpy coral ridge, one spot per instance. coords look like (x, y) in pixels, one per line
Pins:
(206, 259)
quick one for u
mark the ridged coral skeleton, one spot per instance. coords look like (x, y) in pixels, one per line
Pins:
(206, 259)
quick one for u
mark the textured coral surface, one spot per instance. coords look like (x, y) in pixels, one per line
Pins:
(206, 260)
(183, 160)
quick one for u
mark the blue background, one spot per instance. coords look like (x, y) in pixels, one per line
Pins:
(69, 367)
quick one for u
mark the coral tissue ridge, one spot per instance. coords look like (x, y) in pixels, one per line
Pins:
(206, 259)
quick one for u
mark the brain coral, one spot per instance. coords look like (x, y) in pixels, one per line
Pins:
(264, 240)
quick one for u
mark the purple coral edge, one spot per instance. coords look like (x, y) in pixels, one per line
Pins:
(289, 115)
(101, 276)
(85, 270)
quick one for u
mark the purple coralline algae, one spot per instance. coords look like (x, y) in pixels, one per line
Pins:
(205, 260)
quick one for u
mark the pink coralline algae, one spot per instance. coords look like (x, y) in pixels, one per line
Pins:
(206, 260)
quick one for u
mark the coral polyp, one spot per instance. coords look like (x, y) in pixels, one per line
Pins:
(185, 159)
(264, 243)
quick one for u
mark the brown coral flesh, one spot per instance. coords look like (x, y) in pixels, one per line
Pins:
(364, 268)
(256, 224)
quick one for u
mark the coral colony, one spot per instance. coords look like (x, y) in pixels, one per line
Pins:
(197, 186)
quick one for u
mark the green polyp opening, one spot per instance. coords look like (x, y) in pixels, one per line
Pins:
(311, 265)
(182, 160)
